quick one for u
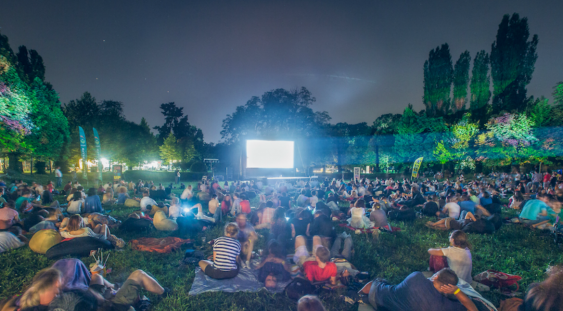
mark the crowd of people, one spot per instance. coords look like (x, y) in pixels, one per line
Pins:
(298, 221)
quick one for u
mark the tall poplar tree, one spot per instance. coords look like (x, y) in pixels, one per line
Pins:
(513, 58)
(480, 87)
(461, 80)
(438, 73)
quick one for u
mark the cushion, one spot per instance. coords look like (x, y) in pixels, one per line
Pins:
(43, 240)
(155, 209)
(77, 247)
(132, 203)
(161, 222)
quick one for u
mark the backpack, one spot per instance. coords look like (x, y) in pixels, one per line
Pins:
(430, 209)
(497, 279)
(192, 257)
(298, 288)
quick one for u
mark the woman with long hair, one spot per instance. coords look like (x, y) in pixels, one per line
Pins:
(458, 255)
(43, 290)
(547, 295)
(74, 227)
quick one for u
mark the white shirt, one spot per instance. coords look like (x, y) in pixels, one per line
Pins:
(58, 173)
(75, 207)
(146, 201)
(9, 241)
(459, 260)
(453, 210)
(187, 194)
(314, 200)
(174, 211)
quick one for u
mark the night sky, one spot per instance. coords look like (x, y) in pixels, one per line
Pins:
(360, 59)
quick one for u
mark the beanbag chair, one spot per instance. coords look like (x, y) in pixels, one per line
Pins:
(162, 223)
(77, 247)
(43, 240)
(155, 209)
(136, 225)
(132, 203)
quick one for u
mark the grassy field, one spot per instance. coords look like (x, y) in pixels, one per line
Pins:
(513, 249)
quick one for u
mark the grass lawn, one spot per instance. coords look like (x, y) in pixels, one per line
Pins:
(513, 249)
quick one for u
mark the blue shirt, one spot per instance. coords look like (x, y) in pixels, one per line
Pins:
(467, 206)
(121, 198)
(486, 201)
(92, 204)
(532, 209)
(416, 292)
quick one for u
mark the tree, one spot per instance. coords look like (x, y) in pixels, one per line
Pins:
(480, 87)
(383, 129)
(460, 81)
(169, 151)
(513, 58)
(438, 72)
(541, 112)
(558, 94)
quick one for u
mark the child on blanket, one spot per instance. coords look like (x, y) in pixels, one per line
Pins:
(317, 268)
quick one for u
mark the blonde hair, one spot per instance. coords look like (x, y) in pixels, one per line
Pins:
(121, 190)
(231, 229)
(42, 281)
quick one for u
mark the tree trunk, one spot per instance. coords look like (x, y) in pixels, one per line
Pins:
(15, 164)
(31, 166)
(376, 158)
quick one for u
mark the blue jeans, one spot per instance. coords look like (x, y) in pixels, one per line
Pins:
(59, 181)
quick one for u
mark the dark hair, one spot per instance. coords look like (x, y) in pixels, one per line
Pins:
(447, 276)
(269, 204)
(79, 188)
(323, 253)
(77, 196)
(26, 191)
(276, 249)
(460, 239)
(91, 191)
(310, 303)
(360, 203)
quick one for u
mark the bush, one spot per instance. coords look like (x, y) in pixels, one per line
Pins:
(63, 164)
(198, 167)
(40, 167)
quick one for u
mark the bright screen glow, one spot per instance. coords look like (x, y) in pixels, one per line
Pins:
(269, 154)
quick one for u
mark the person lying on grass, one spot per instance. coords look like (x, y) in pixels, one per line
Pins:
(536, 211)
(43, 290)
(556, 212)
(310, 303)
(74, 227)
(416, 292)
(226, 252)
(273, 268)
(458, 255)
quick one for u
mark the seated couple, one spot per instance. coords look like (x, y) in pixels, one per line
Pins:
(76, 227)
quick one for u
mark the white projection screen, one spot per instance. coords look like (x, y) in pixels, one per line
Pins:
(269, 154)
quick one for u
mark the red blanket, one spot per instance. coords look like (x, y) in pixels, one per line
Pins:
(162, 245)
(345, 225)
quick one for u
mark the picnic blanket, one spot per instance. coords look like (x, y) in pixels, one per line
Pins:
(245, 281)
(368, 230)
(159, 245)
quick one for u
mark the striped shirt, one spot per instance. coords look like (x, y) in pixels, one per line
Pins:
(226, 251)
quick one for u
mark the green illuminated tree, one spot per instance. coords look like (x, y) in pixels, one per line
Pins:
(169, 150)
(460, 81)
(438, 73)
(513, 58)
(480, 87)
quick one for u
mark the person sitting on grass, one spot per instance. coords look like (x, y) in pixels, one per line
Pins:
(122, 195)
(535, 211)
(317, 268)
(92, 204)
(146, 202)
(76, 205)
(214, 208)
(556, 211)
(12, 239)
(247, 237)
(458, 255)
(358, 213)
(416, 292)
(452, 209)
(8, 216)
(226, 252)
(310, 303)
(108, 196)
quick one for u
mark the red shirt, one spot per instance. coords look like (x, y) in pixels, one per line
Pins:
(316, 274)
(245, 207)
(546, 177)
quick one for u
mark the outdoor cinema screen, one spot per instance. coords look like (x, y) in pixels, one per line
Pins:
(269, 154)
